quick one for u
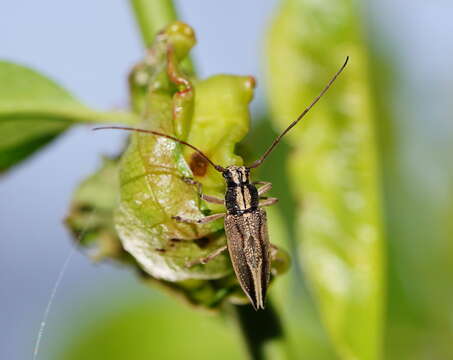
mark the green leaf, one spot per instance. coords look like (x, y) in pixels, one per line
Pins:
(91, 222)
(157, 328)
(20, 137)
(91, 214)
(212, 114)
(334, 169)
(34, 110)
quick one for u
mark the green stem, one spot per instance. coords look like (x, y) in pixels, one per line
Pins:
(152, 16)
(262, 332)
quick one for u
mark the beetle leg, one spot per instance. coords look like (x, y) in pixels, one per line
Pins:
(208, 258)
(265, 188)
(207, 198)
(190, 181)
(212, 199)
(268, 201)
(199, 221)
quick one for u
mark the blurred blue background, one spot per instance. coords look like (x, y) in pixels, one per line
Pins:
(88, 48)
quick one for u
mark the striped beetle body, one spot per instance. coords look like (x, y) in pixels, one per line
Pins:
(247, 235)
(245, 220)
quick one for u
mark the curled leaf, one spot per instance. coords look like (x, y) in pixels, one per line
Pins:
(91, 223)
(213, 115)
(155, 176)
(91, 214)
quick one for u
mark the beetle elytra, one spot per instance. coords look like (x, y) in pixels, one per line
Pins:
(245, 220)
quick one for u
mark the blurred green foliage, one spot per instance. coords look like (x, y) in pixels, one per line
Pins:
(369, 223)
(158, 328)
(333, 171)
(34, 110)
(417, 180)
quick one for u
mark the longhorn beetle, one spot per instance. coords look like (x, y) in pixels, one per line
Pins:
(245, 220)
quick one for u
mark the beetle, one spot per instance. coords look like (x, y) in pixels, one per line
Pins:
(244, 221)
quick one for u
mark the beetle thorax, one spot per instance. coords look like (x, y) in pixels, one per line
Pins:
(241, 196)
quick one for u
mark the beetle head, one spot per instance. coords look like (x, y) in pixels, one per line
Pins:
(236, 175)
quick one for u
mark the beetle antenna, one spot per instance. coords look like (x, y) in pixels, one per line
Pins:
(156, 133)
(277, 140)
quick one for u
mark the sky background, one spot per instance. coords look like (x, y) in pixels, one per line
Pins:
(88, 46)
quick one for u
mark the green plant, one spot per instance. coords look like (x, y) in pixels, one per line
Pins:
(340, 176)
